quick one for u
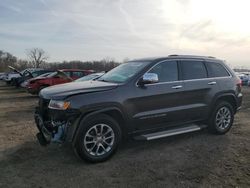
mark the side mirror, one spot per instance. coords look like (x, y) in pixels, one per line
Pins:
(148, 78)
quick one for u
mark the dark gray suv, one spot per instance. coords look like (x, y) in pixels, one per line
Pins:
(145, 99)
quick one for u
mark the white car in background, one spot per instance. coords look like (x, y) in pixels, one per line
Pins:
(15, 74)
(10, 76)
(2, 75)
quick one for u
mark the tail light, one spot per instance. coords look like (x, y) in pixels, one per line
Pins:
(239, 84)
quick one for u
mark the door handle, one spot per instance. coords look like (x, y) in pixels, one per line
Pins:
(211, 83)
(177, 87)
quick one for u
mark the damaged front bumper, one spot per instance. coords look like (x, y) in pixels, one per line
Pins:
(55, 127)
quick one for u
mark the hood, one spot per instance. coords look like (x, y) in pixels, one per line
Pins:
(62, 91)
(15, 70)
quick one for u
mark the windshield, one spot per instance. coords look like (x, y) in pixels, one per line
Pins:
(123, 72)
(89, 77)
(52, 75)
(45, 74)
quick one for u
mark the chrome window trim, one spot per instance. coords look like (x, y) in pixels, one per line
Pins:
(178, 81)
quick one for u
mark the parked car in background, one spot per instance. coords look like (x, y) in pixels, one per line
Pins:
(11, 75)
(61, 76)
(90, 77)
(244, 78)
(28, 74)
(2, 75)
(26, 82)
(145, 99)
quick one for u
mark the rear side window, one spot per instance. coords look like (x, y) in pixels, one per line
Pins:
(193, 70)
(67, 73)
(77, 74)
(216, 70)
(166, 71)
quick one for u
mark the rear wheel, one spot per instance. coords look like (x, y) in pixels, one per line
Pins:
(222, 118)
(98, 138)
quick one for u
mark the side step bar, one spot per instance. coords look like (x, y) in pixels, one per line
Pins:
(171, 132)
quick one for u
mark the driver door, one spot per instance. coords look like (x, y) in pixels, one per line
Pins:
(159, 104)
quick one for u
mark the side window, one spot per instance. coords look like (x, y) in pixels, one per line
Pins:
(77, 74)
(193, 70)
(216, 70)
(35, 74)
(166, 71)
(68, 74)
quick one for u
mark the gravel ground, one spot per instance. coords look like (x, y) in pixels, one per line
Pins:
(191, 160)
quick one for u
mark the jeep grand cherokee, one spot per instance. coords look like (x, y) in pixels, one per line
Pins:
(145, 99)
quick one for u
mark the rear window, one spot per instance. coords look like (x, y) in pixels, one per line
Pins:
(216, 70)
(193, 70)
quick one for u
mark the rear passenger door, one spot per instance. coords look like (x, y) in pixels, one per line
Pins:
(220, 74)
(199, 89)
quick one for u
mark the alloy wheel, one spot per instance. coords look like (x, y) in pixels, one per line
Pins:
(99, 139)
(223, 118)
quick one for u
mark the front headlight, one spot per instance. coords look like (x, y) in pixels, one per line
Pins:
(59, 105)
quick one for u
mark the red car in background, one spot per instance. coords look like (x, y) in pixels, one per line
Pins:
(59, 77)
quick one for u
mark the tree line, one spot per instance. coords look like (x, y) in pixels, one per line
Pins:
(37, 58)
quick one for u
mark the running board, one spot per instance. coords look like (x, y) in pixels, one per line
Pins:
(171, 132)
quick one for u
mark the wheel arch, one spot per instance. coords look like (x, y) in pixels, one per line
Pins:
(114, 112)
(228, 97)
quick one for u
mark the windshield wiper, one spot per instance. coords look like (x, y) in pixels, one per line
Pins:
(102, 80)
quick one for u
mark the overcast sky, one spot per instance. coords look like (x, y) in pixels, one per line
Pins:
(95, 29)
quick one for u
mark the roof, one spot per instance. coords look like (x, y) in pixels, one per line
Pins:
(176, 57)
(80, 70)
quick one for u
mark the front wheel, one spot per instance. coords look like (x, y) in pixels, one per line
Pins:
(98, 138)
(222, 118)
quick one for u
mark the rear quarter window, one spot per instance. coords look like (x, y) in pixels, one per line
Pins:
(77, 74)
(68, 73)
(216, 70)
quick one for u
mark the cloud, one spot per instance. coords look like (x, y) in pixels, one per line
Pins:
(206, 32)
(98, 28)
(127, 18)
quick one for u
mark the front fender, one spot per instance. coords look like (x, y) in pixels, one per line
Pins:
(73, 132)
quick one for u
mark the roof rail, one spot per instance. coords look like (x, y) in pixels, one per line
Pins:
(173, 55)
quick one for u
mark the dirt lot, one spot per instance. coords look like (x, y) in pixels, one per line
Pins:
(192, 160)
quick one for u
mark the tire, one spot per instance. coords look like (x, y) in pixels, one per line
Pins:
(90, 146)
(222, 118)
(12, 82)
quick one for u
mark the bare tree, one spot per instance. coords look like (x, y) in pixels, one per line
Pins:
(37, 56)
